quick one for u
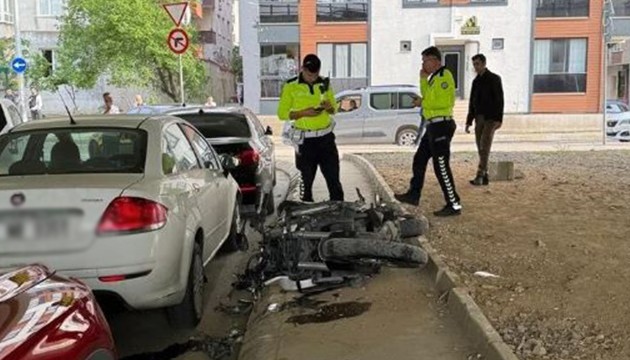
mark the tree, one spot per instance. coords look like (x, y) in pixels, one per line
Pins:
(237, 64)
(124, 40)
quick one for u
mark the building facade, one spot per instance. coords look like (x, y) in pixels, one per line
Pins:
(39, 27)
(275, 35)
(549, 52)
(618, 46)
(215, 21)
(568, 57)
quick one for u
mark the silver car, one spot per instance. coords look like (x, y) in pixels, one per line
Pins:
(376, 114)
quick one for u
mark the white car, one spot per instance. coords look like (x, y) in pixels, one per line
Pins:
(9, 116)
(617, 117)
(133, 206)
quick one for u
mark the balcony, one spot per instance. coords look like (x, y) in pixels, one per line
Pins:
(278, 12)
(342, 12)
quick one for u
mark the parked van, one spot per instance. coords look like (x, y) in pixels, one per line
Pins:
(376, 114)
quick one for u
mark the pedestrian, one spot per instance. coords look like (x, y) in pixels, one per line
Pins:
(35, 104)
(210, 102)
(110, 108)
(11, 96)
(438, 99)
(308, 100)
(138, 101)
(486, 109)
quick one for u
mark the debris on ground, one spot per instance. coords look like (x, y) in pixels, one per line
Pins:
(214, 348)
(318, 247)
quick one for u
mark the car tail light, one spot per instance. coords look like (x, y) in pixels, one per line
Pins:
(247, 188)
(130, 215)
(249, 157)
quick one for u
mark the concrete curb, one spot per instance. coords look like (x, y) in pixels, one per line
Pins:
(486, 339)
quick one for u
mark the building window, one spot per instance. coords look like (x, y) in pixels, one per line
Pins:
(621, 7)
(278, 11)
(278, 63)
(348, 10)
(49, 55)
(343, 60)
(392, 101)
(7, 12)
(560, 65)
(562, 8)
(50, 7)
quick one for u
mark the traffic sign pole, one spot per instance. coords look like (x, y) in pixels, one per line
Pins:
(181, 79)
(18, 51)
(178, 39)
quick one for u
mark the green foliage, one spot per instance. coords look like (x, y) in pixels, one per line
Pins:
(237, 64)
(125, 40)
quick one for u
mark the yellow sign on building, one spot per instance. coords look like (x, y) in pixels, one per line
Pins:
(471, 27)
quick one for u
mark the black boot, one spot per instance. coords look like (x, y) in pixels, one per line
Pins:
(410, 197)
(448, 210)
(480, 180)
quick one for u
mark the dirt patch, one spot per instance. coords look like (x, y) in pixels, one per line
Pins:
(559, 240)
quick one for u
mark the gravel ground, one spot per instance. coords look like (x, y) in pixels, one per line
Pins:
(558, 240)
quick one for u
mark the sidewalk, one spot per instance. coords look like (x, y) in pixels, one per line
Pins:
(395, 315)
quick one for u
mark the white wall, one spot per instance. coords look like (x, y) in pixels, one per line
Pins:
(432, 26)
(250, 50)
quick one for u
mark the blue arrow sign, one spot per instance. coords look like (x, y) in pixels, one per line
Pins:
(18, 65)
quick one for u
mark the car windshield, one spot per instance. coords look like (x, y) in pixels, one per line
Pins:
(72, 151)
(218, 125)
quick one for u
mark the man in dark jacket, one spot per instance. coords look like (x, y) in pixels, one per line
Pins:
(486, 109)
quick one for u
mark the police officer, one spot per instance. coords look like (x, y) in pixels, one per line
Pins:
(308, 99)
(438, 99)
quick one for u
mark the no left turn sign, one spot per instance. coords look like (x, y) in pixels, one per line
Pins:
(178, 41)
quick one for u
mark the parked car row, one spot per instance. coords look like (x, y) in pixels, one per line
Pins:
(132, 206)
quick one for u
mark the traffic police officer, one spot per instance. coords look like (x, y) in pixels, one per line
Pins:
(438, 99)
(308, 99)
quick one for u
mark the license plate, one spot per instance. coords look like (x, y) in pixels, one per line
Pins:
(54, 227)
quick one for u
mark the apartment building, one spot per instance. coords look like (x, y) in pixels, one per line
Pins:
(568, 57)
(7, 14)
(549, 52)
(39, 26)
(618, 14)
(215, 21)
(276, 34)
(500, 29)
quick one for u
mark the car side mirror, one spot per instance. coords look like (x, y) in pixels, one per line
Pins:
(268, 131)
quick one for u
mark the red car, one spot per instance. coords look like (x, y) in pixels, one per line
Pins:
(44, 316)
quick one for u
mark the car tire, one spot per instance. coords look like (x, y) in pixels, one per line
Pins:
(188, 313)
(349, 249)
(270, 204)
(406, 136)
(235, 241)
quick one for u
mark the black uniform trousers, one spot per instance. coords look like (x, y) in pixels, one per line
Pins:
(319, 151)
(436, 144)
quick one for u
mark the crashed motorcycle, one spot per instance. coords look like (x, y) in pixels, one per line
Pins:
(323, 246)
